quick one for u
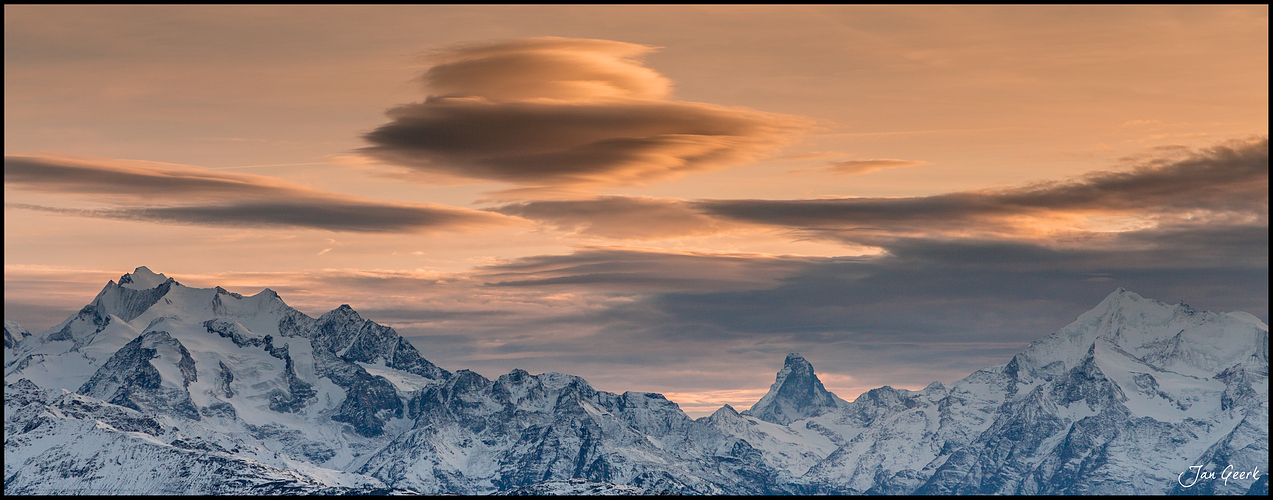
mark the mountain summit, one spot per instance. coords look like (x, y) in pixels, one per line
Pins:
(797, 393)
(142, 278)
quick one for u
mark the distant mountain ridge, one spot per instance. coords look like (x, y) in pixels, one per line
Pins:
(154, 383)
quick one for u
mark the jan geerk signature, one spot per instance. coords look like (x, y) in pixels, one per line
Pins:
(1227, 474)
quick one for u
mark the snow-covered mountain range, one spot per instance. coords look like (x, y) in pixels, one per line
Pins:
(155, 387)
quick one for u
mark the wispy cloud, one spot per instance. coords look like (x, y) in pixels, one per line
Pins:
(855, 167)
(620, 217)
(545, 112)
(636, 270)
(190, 195)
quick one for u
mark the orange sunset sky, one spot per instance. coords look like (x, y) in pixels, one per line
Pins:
(656, 198)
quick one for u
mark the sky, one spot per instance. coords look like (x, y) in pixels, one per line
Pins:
(655, 198)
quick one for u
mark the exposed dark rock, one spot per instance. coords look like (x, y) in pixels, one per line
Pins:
(224, 378)
(369, 400)
(130, 379)
(293, 442)
(233, 331)
(299, 392)
(344, 333)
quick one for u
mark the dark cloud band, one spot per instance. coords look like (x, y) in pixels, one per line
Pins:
(113, 178)
(1221, 181)
(200, 197)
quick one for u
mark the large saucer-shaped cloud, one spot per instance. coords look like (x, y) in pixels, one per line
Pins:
(566, 112)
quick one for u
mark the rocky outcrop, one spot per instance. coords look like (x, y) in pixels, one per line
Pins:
(130, 378)
(344, 333)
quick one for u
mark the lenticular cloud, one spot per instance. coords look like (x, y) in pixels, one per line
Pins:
(553, 112)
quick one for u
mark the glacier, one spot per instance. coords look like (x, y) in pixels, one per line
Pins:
(159, 388)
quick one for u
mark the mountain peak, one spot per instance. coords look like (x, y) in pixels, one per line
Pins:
(1120, 294)
(796, 393)
(143, 278)
(724, 413)
(13, 333)
(342, 313)
(795, 359)
(1169, 337)
(347, 311)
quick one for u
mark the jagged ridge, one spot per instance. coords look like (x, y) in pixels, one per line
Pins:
(264, 399)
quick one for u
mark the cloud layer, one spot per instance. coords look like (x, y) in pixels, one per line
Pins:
(1222, 184)
(557, 111)
(185, 195)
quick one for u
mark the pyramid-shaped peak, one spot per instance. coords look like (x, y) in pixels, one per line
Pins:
(344, 312)
(1125, 301)
(1122, 295)
(143, 278)
(795, 394)
(726, 413)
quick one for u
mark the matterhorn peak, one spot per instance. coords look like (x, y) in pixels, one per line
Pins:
(796, 393)
(795, 359)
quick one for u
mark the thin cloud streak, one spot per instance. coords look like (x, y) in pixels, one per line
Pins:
(137, 181)
(858, 167)
(164, 194)
(620, 217)
(630, 270)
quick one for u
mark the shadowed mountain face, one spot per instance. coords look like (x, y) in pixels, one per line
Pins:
(796, 394)
(158, 388)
